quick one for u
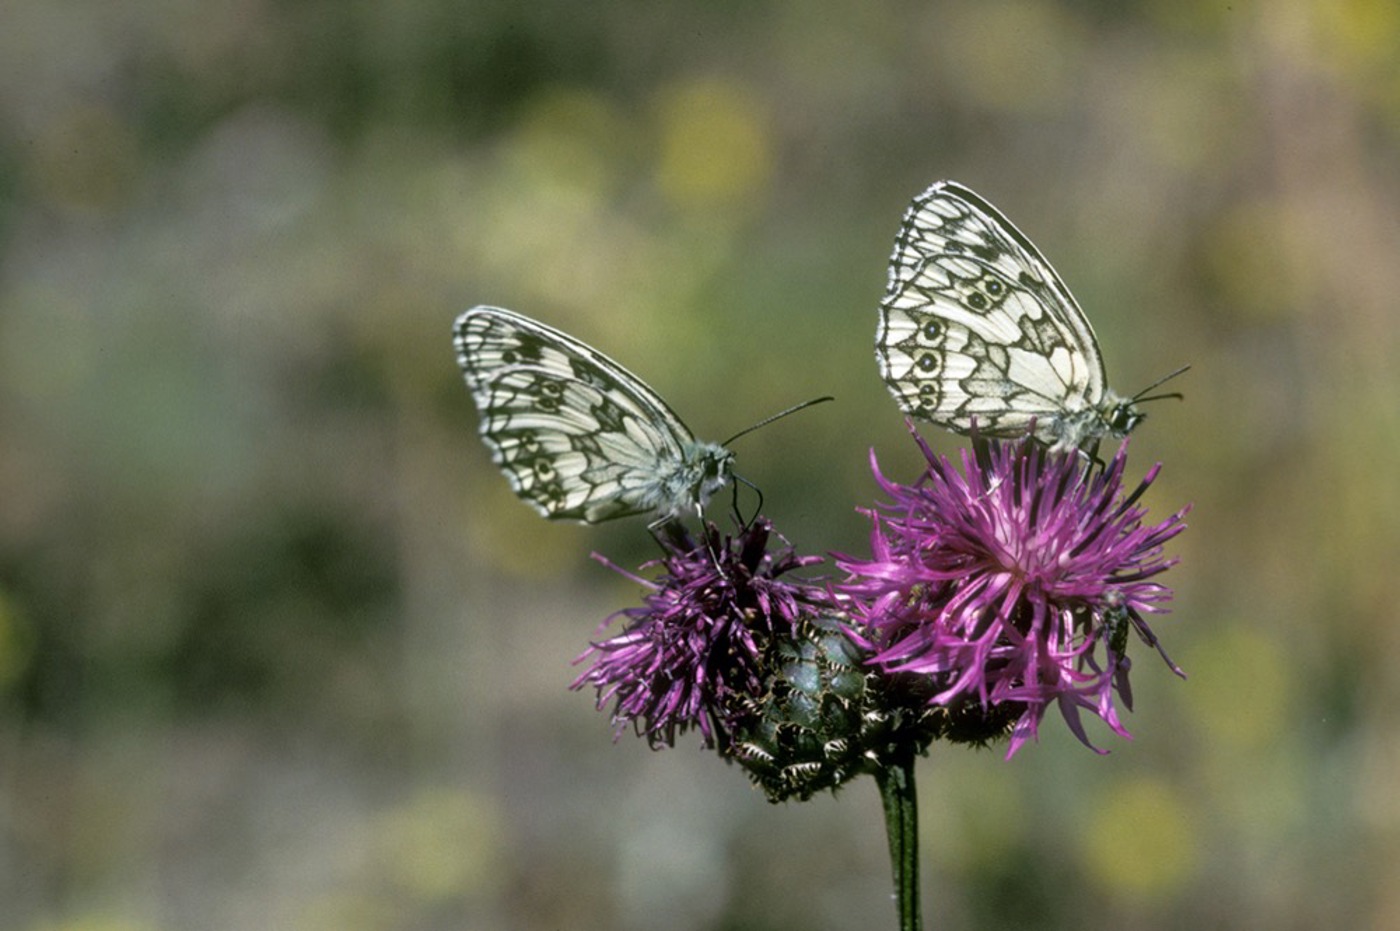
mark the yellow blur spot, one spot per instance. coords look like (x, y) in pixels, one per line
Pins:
(1240, 689)
(347, 910)
(1199, 17)
(714, 142)
(1140, 842)
(511, 536)
(1192, 120)
(571, 143)
(1263, 260)
(1357, 36)
(1015, 55)
(441, 845)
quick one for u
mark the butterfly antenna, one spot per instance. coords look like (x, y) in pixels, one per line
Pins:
(781, 414)
(1139, 397)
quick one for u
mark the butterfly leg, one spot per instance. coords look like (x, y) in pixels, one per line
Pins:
(672, 536)
(1093, 454)
(734, 504)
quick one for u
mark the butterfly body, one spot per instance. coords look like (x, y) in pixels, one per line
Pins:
(977, 329)
(577, 435)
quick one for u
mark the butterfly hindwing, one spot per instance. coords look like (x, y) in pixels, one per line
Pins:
(976, 326)
(577, 435)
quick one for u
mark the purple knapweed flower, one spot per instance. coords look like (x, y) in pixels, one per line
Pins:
(695, 649)
(1001, 582)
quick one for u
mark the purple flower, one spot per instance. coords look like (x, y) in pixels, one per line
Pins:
(696, 649)
(1002, 582)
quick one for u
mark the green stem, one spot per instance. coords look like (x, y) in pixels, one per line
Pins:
(897, 791)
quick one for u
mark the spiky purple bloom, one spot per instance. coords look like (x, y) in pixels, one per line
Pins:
(1002, 581)
(695, 649)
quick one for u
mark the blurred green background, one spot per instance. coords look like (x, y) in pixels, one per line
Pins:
(279, 649)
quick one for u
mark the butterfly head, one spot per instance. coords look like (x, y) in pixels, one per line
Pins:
(714, 466)
(687, 486)
(1122, 417)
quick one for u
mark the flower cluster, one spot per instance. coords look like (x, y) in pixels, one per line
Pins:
(1003, 581)
(763, 665)
(995, 587)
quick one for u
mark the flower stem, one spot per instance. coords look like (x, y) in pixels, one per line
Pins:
(897, 792)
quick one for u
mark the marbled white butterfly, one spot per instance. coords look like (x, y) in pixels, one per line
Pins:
(577, 435)
(976, 326)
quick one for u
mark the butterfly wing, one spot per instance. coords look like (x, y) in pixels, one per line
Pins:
(577, 435)
(975, 324)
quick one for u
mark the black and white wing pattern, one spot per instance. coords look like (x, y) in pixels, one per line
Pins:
(577, 435)
(976, 326)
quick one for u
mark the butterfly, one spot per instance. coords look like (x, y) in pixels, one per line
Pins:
(577, 435)
(977, 328)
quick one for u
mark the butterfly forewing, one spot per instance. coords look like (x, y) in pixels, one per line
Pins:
(976, 327)
(577, 435)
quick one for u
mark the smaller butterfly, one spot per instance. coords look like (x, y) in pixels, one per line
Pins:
(577, 435)
(976, 328)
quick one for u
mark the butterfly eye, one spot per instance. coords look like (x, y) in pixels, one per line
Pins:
(976, 301)
(932, 330)
(993, 287)
(1123, 418)
(928, 362)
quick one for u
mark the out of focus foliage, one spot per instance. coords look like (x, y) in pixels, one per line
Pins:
(279, 649)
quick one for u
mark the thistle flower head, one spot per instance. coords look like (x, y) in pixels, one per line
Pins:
(696, 647)
(1004, 581)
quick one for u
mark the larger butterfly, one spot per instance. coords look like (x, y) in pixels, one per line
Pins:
(577, 435)
(975, 326)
